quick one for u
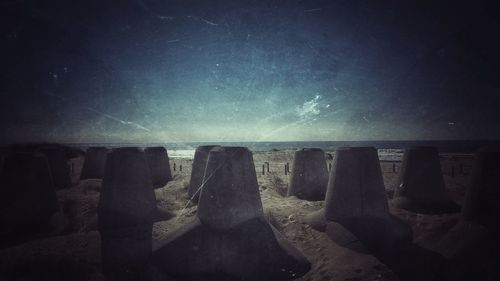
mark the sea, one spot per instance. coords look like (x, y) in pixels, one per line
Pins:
(388, 150)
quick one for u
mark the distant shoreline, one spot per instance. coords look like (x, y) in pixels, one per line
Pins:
(186, 150)
(444, 146)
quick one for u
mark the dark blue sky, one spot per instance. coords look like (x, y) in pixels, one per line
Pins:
(178, 71)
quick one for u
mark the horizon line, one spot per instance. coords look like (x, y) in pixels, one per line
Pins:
(246, 141)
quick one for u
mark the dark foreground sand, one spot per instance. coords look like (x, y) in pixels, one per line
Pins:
(74, 253)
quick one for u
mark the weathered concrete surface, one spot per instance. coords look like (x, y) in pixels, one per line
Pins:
(356, 187)
(94, 164)
(356, 216)
(483, 194)
(252, 250)
(230, 238)
(231, 194)
(472, 244)
(159, 164)
(27, 195)
(356, 198)
(126, 196)
(126, 209)
(59, 168)
(198, 171)
(421, 186)
(309, 176)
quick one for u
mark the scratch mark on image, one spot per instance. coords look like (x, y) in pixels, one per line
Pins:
(312, 10)
(137, 126)
(204, 20)
(147, 9)
(199, 189)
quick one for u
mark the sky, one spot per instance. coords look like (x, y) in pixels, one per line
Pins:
(225, 70)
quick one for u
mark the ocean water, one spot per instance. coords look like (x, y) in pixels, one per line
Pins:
(388, 150)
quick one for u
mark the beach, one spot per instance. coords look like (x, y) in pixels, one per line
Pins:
(78, 244)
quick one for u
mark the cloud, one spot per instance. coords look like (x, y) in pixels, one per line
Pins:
(309, 109)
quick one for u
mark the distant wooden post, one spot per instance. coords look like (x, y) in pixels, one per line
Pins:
(180, 168)
(174, 166)
(263, 169)
(393, 167)
(286, 169)
(267, 166)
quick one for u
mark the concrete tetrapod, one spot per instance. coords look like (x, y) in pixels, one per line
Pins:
(230, 238)
(27, 195)
(126, 208)
(94, 163)
(356, 200)
(470, 241)
(483, 195)
(160, 166)
(421, 186)
(198, 170)
(356, 216)
(59, 168)
(309, 175)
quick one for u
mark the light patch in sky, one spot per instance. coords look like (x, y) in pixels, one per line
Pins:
(310, 108)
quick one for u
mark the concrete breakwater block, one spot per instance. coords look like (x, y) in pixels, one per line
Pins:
(356, 187)
(159, 164)
(94, 163)
(356, 216)
(59, 168)
(483, 194)
(389, 240)
(309, 175)
(253, 250)
(126, 209)
(421, 186)
(470, 241)
(27, 195)
(198, 171)
(231, 193)
(356, 198)
(230, 238)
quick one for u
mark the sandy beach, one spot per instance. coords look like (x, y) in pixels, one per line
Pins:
(77, 245)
